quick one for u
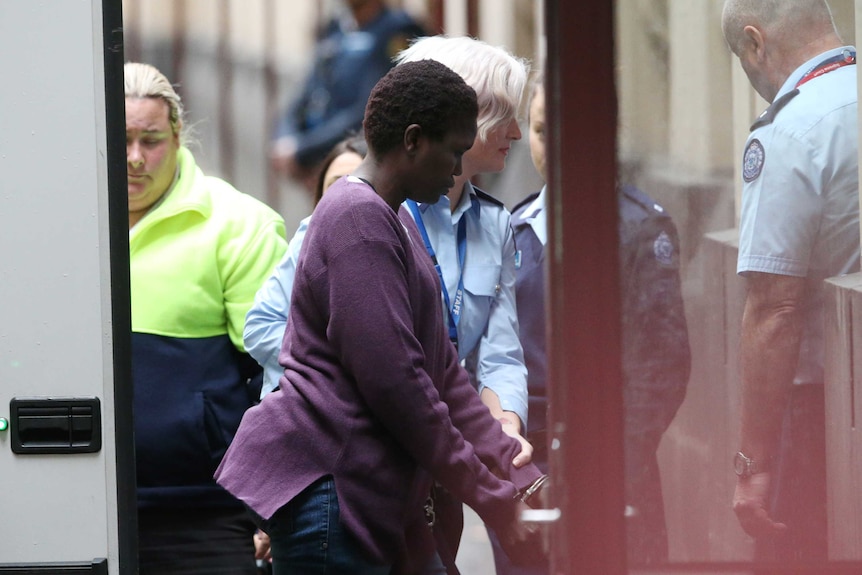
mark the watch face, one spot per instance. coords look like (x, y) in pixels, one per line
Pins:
(740, 464)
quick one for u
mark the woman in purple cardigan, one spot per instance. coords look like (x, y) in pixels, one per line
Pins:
(374, 405)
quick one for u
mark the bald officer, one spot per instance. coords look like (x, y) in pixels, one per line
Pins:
(799, 225)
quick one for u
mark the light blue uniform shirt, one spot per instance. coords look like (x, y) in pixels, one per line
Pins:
(266, 321)
(488, 326)
(800, 200)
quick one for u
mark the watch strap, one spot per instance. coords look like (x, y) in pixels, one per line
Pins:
(745, 466)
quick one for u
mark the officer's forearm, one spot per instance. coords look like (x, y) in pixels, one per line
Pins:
(492, 402)
(769, 349)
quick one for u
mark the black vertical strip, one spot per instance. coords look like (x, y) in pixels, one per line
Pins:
(118, 226)
(270, 83)
(178, 42)
(225, 94)
(473, 18)
(436, 16)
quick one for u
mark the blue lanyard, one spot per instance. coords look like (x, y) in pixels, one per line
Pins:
(454, 308)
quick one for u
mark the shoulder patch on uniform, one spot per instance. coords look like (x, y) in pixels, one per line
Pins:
(662, 247)
(752, 161)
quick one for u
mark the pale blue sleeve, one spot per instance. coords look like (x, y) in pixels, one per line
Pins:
(267, 319)
(500, 357)
(782, 207)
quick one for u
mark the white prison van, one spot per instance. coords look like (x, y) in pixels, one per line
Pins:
(67, 481)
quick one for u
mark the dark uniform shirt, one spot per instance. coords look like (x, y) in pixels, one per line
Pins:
(348, 62)
(656, 353)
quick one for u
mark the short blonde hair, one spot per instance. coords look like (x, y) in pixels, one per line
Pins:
(145, 81)
(498, 77)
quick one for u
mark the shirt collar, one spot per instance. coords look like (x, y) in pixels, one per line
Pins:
(537, 217)
(469, 201)
(185, 194)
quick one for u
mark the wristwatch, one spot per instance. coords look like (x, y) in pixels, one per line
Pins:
(746, 467)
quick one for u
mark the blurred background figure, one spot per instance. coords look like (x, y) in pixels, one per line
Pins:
(656, 354)
(199, 250)
(354, 50)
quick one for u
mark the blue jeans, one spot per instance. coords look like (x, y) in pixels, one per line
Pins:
(308, 538)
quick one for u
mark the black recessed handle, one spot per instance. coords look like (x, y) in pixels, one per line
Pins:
(55, 425)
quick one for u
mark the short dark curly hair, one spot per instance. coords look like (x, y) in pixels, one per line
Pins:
(426, 93)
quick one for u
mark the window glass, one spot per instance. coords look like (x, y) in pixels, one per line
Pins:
(686, 106)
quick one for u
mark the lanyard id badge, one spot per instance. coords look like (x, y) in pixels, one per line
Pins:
(455, 306)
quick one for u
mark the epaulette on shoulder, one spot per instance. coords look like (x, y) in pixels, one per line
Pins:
(482, 195)
(526, 201)
(768, 115)
(640, 205)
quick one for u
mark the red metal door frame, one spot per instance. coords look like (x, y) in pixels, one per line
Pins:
(584, 349)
